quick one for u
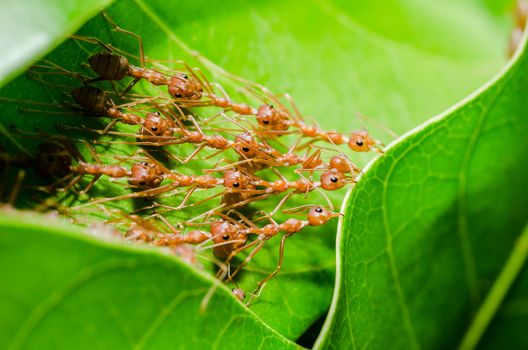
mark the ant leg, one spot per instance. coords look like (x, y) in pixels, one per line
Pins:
(205, 200)
(233, 253)
(35, 71)
(93, 40)
(130, 86)
(136, 36)
(364, 117)
(92, 152)
(243, 218)
(193, 154)
(216, 284)
(90, 184)
(109, 126)
(281, 203)
(186, 198)
(248, 259)
(166, 222)
(16, 187)
(290, 100)
(72, 183)
(142, 194)
(261, 284)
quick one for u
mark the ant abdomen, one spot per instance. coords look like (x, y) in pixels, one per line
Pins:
(91, 99)
(53, 160)
(109, 66)
(340, 164)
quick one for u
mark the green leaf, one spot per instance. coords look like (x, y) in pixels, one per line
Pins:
(31, 28)
(400, 66)
(431, 224)
(62, 289)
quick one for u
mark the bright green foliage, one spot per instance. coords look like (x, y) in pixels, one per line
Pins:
(398, 62)
(431, 224)
(30, 28)
(63, 290)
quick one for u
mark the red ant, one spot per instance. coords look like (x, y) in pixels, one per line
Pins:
(317, 216)
(54, 156)
(277, 120)
(114, 67)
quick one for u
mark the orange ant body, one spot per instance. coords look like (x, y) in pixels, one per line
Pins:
(317, 216)
(110, 66)
(175, 239)
(97, 101)
(114, 67)
(53, 159)
(141, 175)
(278, 121)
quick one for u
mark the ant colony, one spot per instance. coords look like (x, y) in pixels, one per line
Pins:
(183, 166)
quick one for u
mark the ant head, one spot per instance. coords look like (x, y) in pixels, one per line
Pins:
(53, 160)
(236, 180)
(332, 180)
(265, 115)
(239, 294)
(227, 237)
(154, 124)
(223, 231)
(145, 175)
(245, 145)
(360, 141)
(271, 118)
(318, 216)
(182, 86)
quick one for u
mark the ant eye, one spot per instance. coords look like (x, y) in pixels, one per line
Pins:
(236, 184)
(144, 163)
(265, 122)
(319, 210)
(178, 95)
(359, 142)
(271, 106)
(225, 237)
(245, 149)
(142, 183)
(185, 76)
(158, 113)
(333, 179)
(154, 128)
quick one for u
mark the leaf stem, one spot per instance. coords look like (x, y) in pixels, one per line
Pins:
(497, 293)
